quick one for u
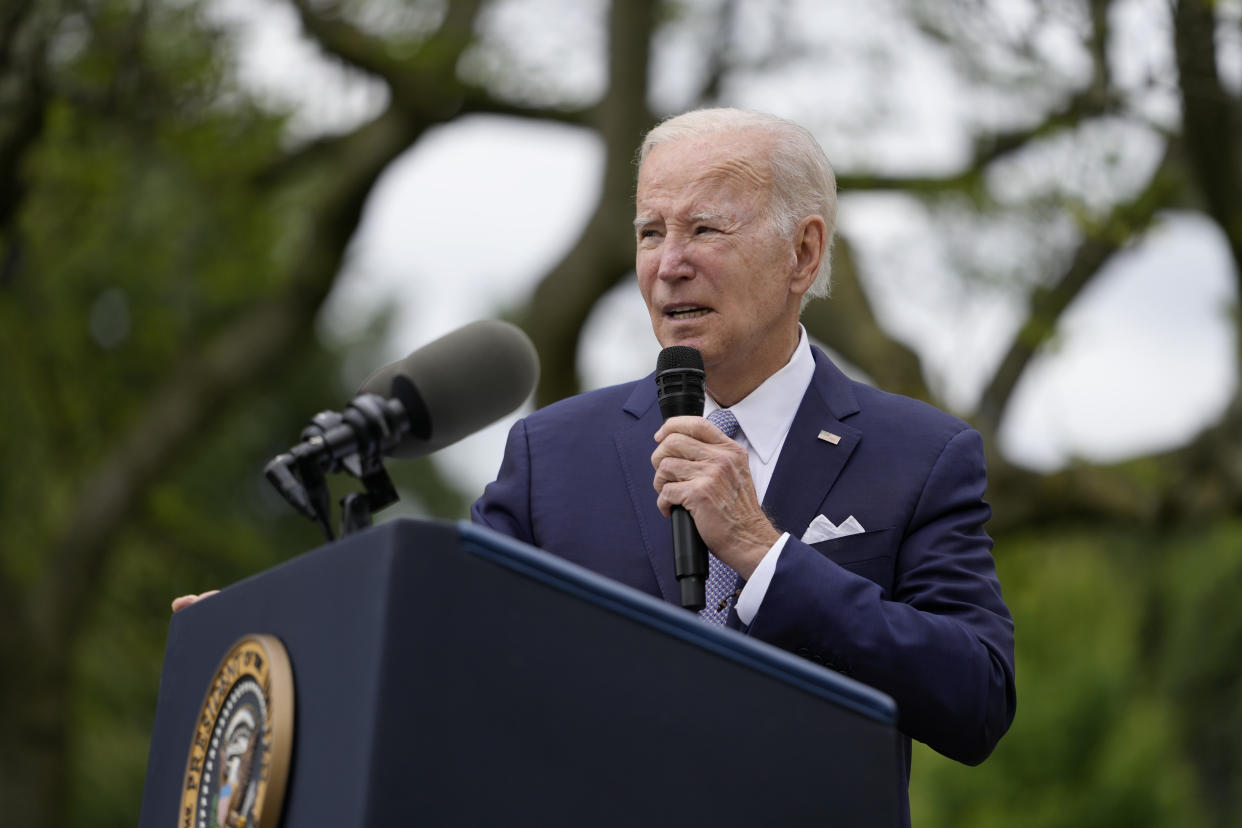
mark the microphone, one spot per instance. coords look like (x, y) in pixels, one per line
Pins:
(457, 385)
(679, 390)
(444, 391)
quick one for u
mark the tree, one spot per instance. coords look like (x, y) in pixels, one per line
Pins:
(139, 185)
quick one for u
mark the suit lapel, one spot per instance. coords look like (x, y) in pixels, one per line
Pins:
(809, 464)
(805, 471)
(634, 448)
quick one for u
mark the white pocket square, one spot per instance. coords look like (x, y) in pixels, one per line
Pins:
(822, 529)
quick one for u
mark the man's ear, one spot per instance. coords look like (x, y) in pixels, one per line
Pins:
(810, 242)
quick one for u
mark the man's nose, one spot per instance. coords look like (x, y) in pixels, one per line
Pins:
(674, 263)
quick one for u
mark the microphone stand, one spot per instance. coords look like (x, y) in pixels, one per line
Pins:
(357, 507)
(298, 474)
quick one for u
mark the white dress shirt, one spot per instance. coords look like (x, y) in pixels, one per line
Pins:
(764, 417)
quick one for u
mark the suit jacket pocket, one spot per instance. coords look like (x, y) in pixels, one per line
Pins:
(857, 548)
(869, 554)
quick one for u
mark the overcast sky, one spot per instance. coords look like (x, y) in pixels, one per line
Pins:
(464, 224)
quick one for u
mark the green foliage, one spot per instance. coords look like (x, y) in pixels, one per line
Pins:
(137, 239)
(145, 227)
(1129, 693)
(149, 218)
(213, 523)
(1196, 641)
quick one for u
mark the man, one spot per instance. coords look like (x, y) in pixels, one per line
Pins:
(854, 518)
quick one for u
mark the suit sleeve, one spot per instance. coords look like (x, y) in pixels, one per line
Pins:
(942, 643)
(505, 504)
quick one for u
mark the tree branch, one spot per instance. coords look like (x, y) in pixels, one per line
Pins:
(477, 100)
(718, 60)
(24, 117)
(1097, 98)
(846, 323)
(1097, 45)
(1199, 481)
(359, 49)
(1210, 121)
(425, 81)
(424, 86)
(988, 148)
(605, 251)
(233, 362)
(12, 17)
(1099, 244)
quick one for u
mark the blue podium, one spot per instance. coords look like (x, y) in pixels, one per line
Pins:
(446, 675)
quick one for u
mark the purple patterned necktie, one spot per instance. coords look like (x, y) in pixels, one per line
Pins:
(721, 580)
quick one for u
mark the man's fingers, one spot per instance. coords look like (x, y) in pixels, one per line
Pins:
(670, 469)
(686, 447)
(697, 427)
(184, 601)
(670, 495)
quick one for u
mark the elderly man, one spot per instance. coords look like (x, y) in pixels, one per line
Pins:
(852, 520)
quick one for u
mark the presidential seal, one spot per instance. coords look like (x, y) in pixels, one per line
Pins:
(239, 756)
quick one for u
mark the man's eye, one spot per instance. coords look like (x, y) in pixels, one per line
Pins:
(703, 228)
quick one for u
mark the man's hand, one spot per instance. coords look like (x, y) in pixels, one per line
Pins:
(699, 468)
(184, 601)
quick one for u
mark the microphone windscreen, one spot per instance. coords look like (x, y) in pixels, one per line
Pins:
(459, 384)
(679, 356)
(679, 381)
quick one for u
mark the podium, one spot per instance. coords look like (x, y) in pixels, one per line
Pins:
(447, 675)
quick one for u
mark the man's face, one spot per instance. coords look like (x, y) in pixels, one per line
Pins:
(713, 271)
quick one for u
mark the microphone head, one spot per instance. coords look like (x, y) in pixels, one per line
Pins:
(679, 381)
(458, 384)
(679, 356)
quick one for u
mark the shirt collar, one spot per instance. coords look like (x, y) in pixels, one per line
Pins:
(766, 414)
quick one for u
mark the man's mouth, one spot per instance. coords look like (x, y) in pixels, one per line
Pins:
(688, 313)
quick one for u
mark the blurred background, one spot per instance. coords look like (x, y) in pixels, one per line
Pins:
(217, 217)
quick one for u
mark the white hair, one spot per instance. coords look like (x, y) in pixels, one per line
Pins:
(803, 183)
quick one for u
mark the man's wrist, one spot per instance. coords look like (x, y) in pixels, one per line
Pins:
(754, 546)
(751, 596)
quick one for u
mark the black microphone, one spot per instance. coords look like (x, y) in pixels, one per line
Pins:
(458, 384)
(679, 390)
(444, 391)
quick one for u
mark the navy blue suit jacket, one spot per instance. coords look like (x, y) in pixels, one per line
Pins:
(912, 606)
